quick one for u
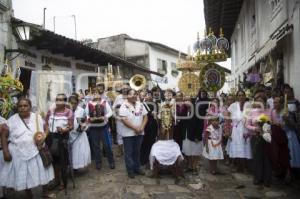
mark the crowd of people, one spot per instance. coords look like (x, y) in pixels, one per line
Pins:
(152, 129)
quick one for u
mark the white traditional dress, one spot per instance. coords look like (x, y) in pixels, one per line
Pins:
(214, 144)
(26, 169)
(239, 146)
(81, 153)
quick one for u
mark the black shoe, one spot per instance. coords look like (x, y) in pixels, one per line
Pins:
(131, 175)
(140, 172)
(98, 166)
(256, 182)
(112, 166)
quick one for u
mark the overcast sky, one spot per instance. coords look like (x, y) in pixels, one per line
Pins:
(171, 22)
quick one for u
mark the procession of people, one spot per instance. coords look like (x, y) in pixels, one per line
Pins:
(257, 134)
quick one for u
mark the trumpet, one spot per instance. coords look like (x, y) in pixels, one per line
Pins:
(137, 82)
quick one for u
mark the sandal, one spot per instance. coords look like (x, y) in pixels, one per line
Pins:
(53, 185)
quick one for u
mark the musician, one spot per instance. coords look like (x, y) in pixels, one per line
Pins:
(98, 111)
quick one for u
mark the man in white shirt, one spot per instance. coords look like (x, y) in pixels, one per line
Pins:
(98, 112)
(134, 117)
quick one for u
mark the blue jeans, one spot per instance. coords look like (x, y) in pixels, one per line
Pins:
(96, 134)
(132, 147)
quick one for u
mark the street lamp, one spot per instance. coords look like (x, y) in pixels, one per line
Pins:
(23, 32)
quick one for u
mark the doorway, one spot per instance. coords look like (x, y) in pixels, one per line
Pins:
(25, 79)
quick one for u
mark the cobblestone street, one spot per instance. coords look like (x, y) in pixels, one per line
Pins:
(110, 184)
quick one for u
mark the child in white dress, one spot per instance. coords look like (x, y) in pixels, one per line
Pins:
(213, 144)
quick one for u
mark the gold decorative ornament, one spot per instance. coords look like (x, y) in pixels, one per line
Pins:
(189, 84)
(212, 77)
(211, 49)
(109, 79)
(166, 119)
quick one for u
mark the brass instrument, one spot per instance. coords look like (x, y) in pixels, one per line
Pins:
(137, 82)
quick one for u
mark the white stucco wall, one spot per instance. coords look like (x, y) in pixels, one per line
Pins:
(6, 39)
(154, 54)
(292, 51)
(135, 48)
(267, 23)
(81, 76)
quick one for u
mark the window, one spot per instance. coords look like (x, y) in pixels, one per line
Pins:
(174, 71)
(162, 66)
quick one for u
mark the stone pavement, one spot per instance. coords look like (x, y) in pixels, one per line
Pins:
(114, 184)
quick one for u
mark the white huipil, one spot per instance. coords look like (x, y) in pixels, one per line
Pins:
(26, 169)
(81, 154)
(239, 146)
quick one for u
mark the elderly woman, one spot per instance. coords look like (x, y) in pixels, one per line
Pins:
(23, 168)
(59, 122)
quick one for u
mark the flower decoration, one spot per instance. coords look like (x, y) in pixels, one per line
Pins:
(264, 121)
(263, 118)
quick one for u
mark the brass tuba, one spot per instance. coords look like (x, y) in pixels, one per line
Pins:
(137, 82)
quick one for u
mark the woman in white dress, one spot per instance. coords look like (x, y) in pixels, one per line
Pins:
(239, 148)
(81, 153)
(23, 168)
